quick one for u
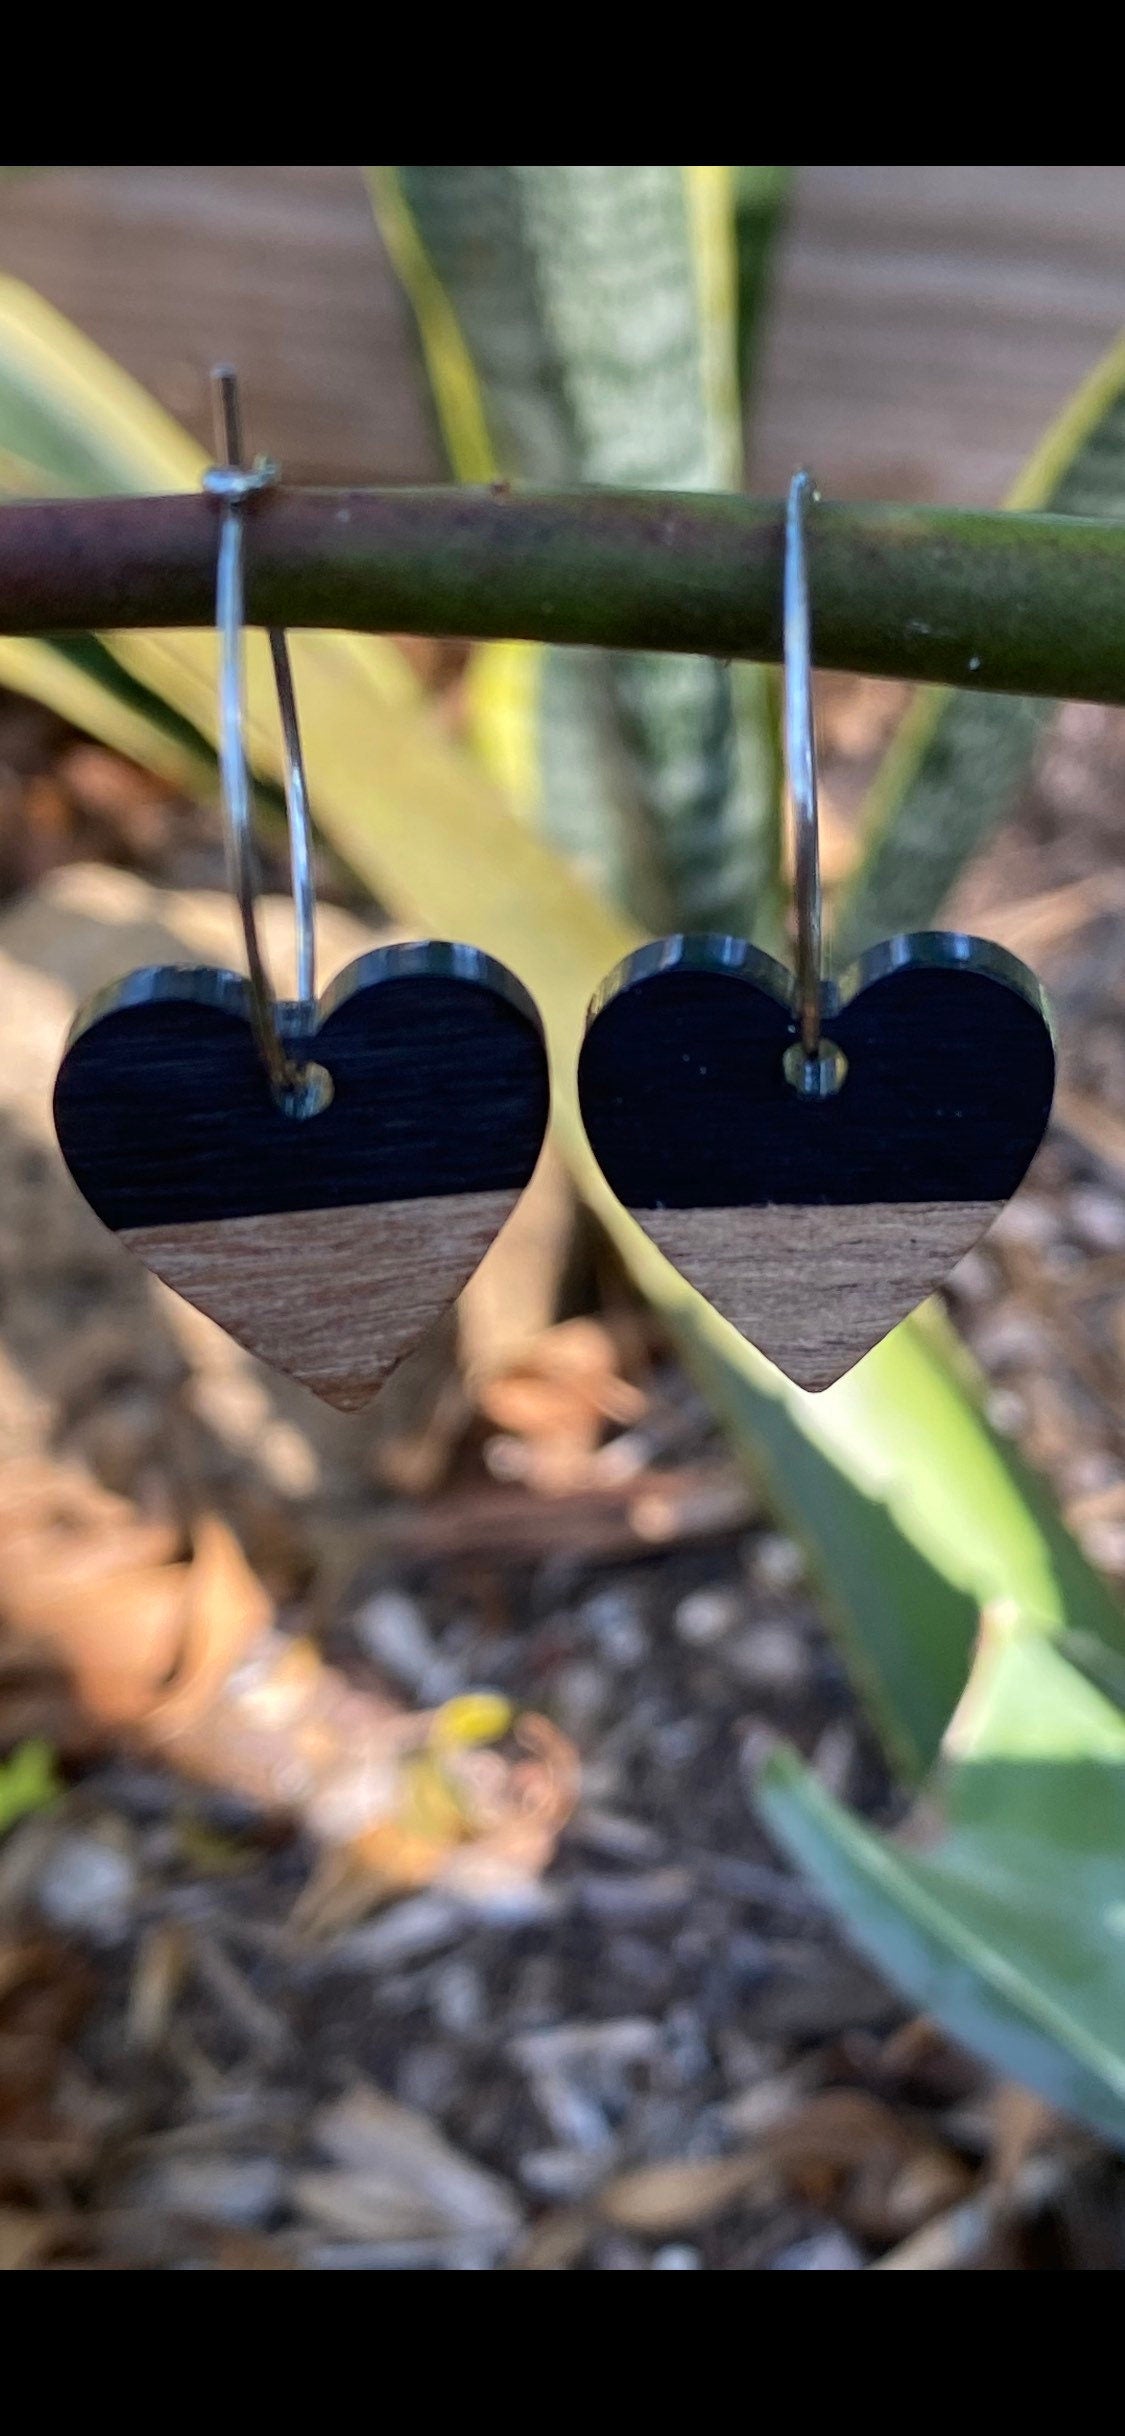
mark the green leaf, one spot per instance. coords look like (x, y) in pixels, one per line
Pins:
(1007, 1922)
(958, 759)
(761, 199)
(28, 1781)
(578, 324)
(913, 1512)
(52, 386)
(104, 702)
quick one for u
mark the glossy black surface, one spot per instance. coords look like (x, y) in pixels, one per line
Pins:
(951, 1072)
(439, 1068)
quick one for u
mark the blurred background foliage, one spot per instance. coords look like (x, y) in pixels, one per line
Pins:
(605, 326)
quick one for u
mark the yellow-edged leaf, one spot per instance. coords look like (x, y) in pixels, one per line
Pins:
(34, 668)
(957, 759)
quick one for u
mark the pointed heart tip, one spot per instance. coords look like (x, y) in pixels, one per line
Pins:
(350, 1397)
(815, 1382)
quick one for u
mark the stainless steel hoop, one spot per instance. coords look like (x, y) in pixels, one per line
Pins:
(232, 484)
(800, 764)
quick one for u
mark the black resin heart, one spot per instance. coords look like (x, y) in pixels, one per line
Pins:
(817, 1224)
(325, 1244)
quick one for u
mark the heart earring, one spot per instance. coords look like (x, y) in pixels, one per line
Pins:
(813, 1155)
(320, 1177)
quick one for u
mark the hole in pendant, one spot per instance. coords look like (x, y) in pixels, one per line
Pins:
(309, 1094)
(815, 1078)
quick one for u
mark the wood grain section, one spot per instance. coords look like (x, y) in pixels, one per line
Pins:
(816, 1288)
(335, 1298)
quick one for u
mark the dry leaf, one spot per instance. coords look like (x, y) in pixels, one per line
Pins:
(557, 2241)
(843, 2150)
(866, 2164)
(1021, 2123)
(178, 1652)
(26, 2236)
(686, 2191)
(396, 2178)
(553, 1402)
(250, 2252)
(159, 1971)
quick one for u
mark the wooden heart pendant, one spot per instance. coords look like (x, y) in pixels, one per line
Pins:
(325, 1244)
(816, 1224)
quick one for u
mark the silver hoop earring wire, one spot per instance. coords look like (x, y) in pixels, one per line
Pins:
(814, 1066)
(299, 1087)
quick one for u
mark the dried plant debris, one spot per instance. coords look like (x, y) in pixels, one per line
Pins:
(175, 1650)
(552, 1407)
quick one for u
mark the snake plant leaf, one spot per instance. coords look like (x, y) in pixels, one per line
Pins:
(1006, 1921)
(914, 1514)
(959, 758)
(579, 324)
(761, 199)
(538, 721)
(41, 451)
(131, 724)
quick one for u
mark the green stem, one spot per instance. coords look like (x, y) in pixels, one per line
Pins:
(997, 602)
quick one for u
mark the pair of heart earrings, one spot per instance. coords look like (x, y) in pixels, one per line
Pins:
(323, 1176)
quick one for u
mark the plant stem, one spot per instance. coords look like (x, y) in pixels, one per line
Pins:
(998, 602)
